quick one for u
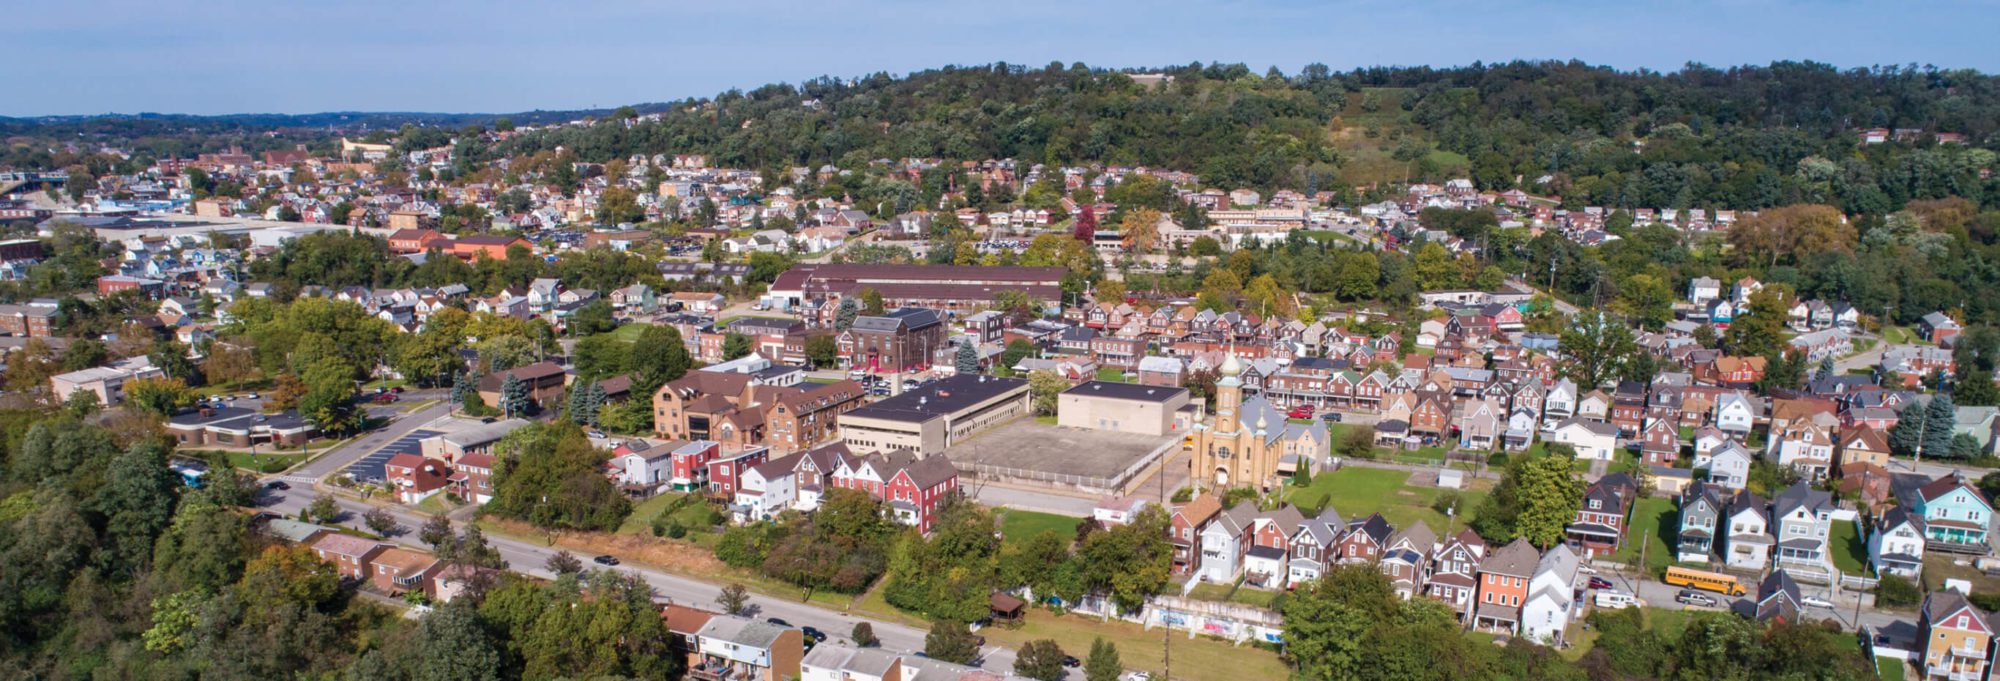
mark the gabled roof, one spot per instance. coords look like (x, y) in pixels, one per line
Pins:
(1517, 559)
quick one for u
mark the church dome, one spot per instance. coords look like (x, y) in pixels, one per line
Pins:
(1231, 367)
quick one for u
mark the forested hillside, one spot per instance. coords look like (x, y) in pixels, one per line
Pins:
(1746, 137)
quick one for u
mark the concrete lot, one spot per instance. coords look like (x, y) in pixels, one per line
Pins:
(1056, 452)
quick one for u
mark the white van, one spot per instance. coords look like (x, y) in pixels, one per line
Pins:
(1616, 600)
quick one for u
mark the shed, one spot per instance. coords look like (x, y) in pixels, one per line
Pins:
(1006, 608)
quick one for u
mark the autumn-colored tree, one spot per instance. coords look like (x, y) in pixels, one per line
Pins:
(1086, 225)
(1801, 231)
(1140, 230)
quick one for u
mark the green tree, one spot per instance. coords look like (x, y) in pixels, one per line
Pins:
(733, 599)
(1550, 494)
(735, 345)
(436, 531)
(1040, 659)
(1646, 299)
(172, 358)
(1103, 663)
(823, 351)
(453, 643)
(864, 635)
(1015, 351)
(871, 302)
(1759, 329)
(1597, 346)
(514, 397)
(849, 309)
(969, 357)
(162, 396)
(1046, 387)
(658, 356)
(137, 500)
(323, 509)
(951, 642)
(1326, 621)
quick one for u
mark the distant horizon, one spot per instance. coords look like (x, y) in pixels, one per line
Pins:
(1259, 70)
(111, 57)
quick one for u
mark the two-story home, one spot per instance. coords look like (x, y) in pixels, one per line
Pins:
(1728, 465)
(1803, 517)
(1188, 522)
(1552, 601)
(1364, 540)
(1503, 587)
(1778, 598)
(1896, 546)
(1266, 561)
(1408, 557)
(1746, 545)
(1956, 638)
(1956, 515)
(732, 648)
(1701, 511)
(1599, 527)
(1223, 543)
(351, 556)
(1315, 546)
(1454, 571)
(1807, 447)
(1591, 439)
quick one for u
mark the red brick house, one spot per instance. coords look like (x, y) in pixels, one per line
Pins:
(1600, 523)
(351, 556)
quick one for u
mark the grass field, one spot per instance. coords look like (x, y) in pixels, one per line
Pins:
(1357, 492)
(261, 462)
(1656, 524)
(1111, 374)
(1890, 668)
(1850, 553)
(1019, 526)
(692, 516)
(628, 332)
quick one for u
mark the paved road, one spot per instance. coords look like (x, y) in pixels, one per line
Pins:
(528, 558)
(357, 448)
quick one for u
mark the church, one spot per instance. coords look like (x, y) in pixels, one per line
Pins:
(1251, 444)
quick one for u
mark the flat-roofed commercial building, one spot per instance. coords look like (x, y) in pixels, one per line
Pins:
(1121, 407)
(934, 417)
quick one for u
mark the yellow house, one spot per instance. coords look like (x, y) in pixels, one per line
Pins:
(1955, 636)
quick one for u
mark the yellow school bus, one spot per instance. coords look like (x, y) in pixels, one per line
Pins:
(1706, 581)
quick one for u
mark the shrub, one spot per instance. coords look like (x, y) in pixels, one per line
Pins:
(675, 530)
(1896, 592)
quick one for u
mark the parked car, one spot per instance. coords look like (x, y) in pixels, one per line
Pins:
(605, 560)
(1303, 411)
(385, 398)
(1815, 601)
(1600, 583)
(1330, 417)
(278, 485)
(813, 633)
(1692, 597)
(1615, 600)
(776, 622)
(1071, 662)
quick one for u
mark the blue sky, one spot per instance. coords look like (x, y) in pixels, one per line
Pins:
(229, 56)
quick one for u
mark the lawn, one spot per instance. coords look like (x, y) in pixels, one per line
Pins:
(1890, 668)
(628, 332)
(1356, 492)
(1850, 554)
(262, 462)
(1900, 335)
(1017, 526)
(1111, 374)
(1655, 524)
(692, 516)
(1233, 594)
(1141, 648)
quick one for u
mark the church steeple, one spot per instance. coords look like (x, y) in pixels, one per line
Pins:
(1229, 394)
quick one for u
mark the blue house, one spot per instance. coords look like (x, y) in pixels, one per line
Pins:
(1956, 515)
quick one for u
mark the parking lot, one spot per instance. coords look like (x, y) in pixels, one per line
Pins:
(369, 468)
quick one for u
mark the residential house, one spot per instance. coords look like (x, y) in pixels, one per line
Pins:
(1701, 513)
(1407, 558)
(351, 556)
(1956, 514)
(1503, 586)
(1736, 413)
(1267, 561)
(1223, 544)
(1365, 540)
(1552, 596)
(1591, 439)
(1956, 637)
(1896, 546)
(1778, 598)
(1863, 445)
(1189, 520)
(1803, 517)
(1599, 527)
(1747, 544)
(1728, 466)
(1454, 571)
(732, 648)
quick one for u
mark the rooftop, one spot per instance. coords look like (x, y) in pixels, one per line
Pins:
(945, 397)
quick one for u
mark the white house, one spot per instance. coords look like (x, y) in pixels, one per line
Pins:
(1222, 544)
(1735, 413)
(765, 490)
(1747, 545)
(1560, 403)
(645, 465)
(1897, 546)
(1704, 289)
(1551, 596)
(1728, 466)
(1590, 439)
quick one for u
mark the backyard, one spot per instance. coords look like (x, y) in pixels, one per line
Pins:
(1655, 525)
(1017, 527)
(1850, 553)
(1356, 491)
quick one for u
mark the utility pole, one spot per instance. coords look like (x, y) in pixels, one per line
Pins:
(1167, 625)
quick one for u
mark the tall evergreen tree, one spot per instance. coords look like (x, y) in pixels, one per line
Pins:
(849, 309)
(513, 396)
(968, 358)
